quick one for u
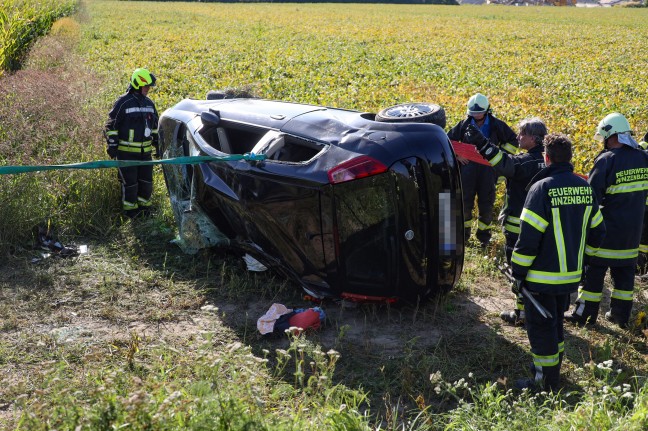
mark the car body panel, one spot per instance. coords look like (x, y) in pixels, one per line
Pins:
(396, 233)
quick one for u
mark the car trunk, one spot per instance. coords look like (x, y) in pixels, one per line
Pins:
(395, 233)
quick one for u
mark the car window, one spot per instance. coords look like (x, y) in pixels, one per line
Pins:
(281, 147)
(215, 137)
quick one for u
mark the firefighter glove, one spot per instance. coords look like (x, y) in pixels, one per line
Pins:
(474, 136)
(516, 286)
(112, 152)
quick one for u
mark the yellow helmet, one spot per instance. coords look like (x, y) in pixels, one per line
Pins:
(142, 77)
(612, 124)
(478, 104)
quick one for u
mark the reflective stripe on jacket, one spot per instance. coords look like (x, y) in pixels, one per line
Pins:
(134, 121)
(519, 170)
(560, 226)
(620, 181)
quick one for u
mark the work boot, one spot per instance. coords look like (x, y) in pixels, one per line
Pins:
(528, 384)
(584, 314)
(579, 320)
(513, 317)
(621, 323)
(132, 213)
(145, 211)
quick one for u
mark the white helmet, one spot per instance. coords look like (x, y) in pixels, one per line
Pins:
(478, 104)
(612, 124)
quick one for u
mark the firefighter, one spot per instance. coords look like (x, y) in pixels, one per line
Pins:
(131, 134)
(619, 179)
(476, 179)
(642, 259)
(518, 170)
(560, 226)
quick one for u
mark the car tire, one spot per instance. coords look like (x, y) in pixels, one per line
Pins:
(413, 112)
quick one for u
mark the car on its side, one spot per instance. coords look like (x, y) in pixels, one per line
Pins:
(348, 204)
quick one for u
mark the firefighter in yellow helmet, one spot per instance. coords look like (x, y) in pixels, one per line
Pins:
(132, 134)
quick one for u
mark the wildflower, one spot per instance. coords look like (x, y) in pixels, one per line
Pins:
(283, 353)
(333, 354)
(435, 377)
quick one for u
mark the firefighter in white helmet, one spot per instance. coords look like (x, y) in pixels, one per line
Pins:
(619, 179)
(479, 180)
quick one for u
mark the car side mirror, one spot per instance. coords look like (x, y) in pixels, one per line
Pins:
(210, 118)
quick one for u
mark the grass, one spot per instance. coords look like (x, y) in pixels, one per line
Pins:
(137, 335)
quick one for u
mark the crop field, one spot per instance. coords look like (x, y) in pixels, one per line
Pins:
(570, 66)
(137, 335)
(22, 21)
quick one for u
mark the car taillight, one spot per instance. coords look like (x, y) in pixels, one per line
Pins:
(360, 167)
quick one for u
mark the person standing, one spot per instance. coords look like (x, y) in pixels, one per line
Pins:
(479, 180)
(131, 134)
(560, 226)
(642, 259)
(620, 180)
(518, 170)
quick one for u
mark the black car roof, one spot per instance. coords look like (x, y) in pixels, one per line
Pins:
(260, 112)
(324, 124)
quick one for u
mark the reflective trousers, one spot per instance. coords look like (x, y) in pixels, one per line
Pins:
(546, 336)
(137, 181)
(478, 181)
(590, 294)
(511, 239)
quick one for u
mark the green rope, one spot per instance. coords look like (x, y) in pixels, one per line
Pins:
(103, 164)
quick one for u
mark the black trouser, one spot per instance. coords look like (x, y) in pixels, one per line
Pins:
(511, 239)
(137, 181)
(478, 180)
(642, 261)
(546, 336)
(589, 296)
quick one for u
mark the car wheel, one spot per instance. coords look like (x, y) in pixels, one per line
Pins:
(413, 112)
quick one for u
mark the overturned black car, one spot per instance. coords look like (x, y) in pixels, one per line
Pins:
(349, 204)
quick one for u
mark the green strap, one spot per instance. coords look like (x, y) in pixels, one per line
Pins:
(103, 164)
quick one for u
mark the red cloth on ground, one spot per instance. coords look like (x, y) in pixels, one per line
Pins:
(306, 319)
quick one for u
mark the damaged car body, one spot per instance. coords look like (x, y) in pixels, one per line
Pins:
(347, 206)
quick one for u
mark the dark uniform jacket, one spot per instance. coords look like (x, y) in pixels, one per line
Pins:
(131, 119)
(519, 170)
(620, 181)
(500, 133)
(561, 224)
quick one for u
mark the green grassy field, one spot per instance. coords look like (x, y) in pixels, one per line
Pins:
(136, 335)
(570, 66)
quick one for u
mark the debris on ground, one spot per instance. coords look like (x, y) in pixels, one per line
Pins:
(45, 240)
(280, 318)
